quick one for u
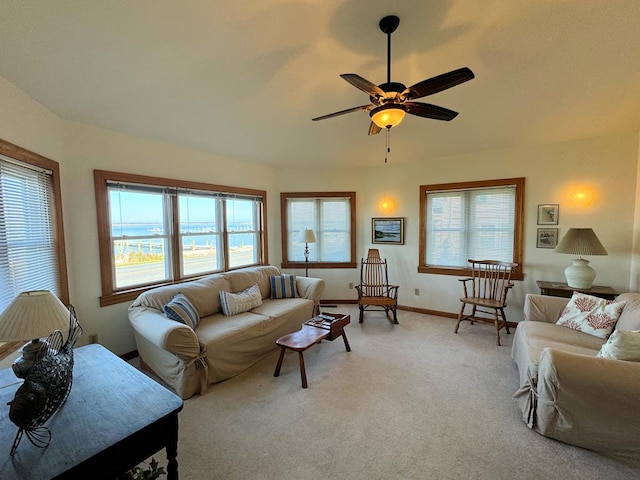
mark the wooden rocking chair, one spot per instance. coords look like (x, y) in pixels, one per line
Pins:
(490, 282)
(374, 289)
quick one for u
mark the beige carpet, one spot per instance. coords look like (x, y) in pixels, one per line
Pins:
(411, 401)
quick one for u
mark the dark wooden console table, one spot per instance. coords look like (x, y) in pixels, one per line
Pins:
(559, 289)
(115, 418)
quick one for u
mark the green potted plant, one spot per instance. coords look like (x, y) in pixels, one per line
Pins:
(152, 472)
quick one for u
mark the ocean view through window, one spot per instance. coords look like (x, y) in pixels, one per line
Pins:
(163, 231)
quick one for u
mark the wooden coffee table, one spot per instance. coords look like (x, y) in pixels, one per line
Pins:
(321, 327)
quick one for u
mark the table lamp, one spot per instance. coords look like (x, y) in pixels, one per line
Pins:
(306, 236)
(580, 241)
(31, 316)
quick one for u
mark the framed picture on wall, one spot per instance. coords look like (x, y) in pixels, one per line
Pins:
(548, 214)
(547, 238)
(387, 230)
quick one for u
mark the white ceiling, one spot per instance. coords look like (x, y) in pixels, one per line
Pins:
(243, 78)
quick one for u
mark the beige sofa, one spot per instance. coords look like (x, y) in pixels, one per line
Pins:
(567, 392)
(221, 346)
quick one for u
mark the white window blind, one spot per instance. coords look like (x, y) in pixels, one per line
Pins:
(330, 219)
(28, 244)
(470, 223)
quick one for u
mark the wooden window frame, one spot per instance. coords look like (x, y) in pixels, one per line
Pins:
(284, 228)
(31, 158)
(518, 238)
(111, 295)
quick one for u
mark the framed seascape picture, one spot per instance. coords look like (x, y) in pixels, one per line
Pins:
(387, 230)
(547, 238)
(548, 214)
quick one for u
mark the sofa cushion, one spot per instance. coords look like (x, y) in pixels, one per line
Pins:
(182, 310)
(622, 345)
(593, 315)
(234, 303)
(283, 286)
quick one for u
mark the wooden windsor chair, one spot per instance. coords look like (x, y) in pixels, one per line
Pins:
(374, 289)
(486, 291)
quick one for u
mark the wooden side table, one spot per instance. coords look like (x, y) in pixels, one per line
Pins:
(321, 327)
(559, 289)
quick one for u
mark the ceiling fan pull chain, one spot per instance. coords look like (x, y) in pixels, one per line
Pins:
(387, 150)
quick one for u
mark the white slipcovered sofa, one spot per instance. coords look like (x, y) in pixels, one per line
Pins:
(569, 393)
(220, 346)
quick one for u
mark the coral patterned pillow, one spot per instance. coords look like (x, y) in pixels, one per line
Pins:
(592, 315)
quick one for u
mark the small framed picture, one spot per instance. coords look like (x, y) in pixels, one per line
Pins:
(548, 214)
(547, 238)
(387, 230)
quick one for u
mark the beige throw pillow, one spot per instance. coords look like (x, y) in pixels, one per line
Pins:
(622, 345)
(592, 315)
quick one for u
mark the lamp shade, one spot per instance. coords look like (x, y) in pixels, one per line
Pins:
(307, 236)
(33, 315)
(581, 241)
(388, 115)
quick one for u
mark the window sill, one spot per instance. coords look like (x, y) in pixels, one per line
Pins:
(319, 265)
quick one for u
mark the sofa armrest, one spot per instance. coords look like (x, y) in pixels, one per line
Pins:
(543, 308)
(589, 401)
(309, 287)
(174, 337)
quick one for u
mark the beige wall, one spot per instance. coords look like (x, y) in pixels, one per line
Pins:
(607, 164)
(79, 149)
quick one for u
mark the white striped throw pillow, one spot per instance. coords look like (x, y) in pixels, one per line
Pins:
(234, 303)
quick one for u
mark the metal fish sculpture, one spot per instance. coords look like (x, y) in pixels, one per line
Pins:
(46, 387)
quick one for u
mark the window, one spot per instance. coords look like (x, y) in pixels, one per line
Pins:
(157, 231)
(331, 215)
(481, 220)
(31, 234)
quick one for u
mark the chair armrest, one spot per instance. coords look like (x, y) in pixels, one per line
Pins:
(169, 335)
(589, 401)
(309, 287)
(543, 308)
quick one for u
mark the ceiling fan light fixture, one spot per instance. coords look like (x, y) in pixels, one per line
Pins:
(387, 116)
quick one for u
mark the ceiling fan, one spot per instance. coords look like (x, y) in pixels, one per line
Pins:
(390, 101)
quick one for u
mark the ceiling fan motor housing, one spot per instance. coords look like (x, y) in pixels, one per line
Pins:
(389, 87)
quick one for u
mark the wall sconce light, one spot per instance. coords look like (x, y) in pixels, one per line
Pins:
(580, 196)
(387, 205)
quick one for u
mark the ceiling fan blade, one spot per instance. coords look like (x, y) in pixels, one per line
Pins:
(363, 84)
(368, 106)
(439, 83)
(430, 111)
(374, 129)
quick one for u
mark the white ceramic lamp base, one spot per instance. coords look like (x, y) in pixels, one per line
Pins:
(580, 274)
